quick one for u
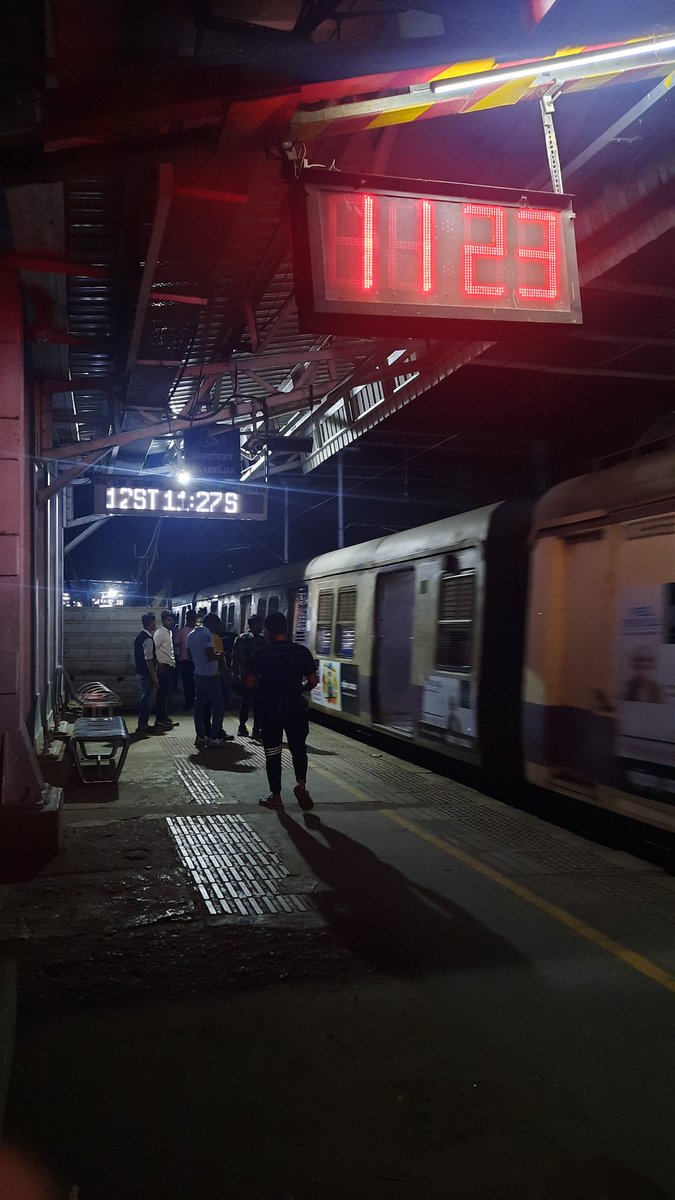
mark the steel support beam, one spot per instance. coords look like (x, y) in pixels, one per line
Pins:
(158, 293)
(547, 108)
(68, 476)
(161, 216)
(82, 537)
(506, 364)
(632, 289)
(261, 362)
(51, 266)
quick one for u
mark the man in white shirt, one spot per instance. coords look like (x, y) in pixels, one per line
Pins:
(166, 665)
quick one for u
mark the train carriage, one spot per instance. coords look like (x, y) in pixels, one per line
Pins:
(533, 639)
(599, 684)
(418, 634)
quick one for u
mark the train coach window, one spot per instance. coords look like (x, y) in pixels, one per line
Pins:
(324, 622)
(261, 610)
(455, 622)
(230, 616)
(272, 604)
(214, 606)
(345, 625)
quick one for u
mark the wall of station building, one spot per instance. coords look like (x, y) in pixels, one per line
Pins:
(31, 574)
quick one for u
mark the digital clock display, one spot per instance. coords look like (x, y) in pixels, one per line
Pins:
(378, 256)
(158, 499)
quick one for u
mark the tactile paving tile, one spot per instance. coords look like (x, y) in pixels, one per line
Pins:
(198, 782)
(235, 871)
(201, 786)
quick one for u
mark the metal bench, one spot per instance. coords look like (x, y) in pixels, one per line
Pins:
(97, 700)
(95, 744)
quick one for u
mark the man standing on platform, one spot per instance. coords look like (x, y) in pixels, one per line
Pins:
(185, 663)
(202, 650)
(281, 672)
(245, 647)
(145, 661)
(166, 665)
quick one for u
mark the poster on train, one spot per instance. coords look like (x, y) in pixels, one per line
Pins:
(447, 710)
(338, 686)
(646, 689)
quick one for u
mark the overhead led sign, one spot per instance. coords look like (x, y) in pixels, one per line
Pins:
(166, 498)
(384, 256)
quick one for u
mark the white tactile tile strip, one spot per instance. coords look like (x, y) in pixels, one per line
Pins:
(236, 873)
(201, 786)
(198, 782)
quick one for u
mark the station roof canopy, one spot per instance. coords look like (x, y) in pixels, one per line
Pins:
(145, 166)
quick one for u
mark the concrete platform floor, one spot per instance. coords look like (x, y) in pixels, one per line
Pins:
(413, 991)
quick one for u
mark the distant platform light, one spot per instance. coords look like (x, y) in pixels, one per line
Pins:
(184, 477)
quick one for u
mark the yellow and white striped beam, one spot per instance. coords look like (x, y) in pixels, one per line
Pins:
(405, 96)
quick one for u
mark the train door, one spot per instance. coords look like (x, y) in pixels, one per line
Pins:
(581, 700)
(392, 684)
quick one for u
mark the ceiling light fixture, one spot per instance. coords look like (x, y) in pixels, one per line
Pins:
(553, 68)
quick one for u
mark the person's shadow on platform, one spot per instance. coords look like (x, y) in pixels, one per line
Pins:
(391, 922)
(232, 757)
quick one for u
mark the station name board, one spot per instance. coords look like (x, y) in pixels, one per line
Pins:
(382, 256)
(161, 497)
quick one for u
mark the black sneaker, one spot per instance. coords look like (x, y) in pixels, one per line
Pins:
(303, 797)
(164, 725)
(272, 803)
(223, 737)
(242, 731)
(257, 734)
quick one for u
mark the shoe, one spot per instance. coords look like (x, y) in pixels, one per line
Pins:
(200, 742)
(207, 743)
(223, 737)
(242, 731)
(163, 725)
(271, 803)
(142, 731)
(303, 797)
(257, 734)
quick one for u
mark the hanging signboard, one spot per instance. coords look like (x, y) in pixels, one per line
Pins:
(213, 454)
(376, 256)
(151, 496)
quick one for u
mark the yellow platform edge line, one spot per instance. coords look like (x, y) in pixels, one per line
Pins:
(630, 957)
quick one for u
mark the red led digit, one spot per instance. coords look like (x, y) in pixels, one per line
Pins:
(416, 252)
(368, 208)
(496, 248)
(350, 241)
(547, 254)
(427, 245)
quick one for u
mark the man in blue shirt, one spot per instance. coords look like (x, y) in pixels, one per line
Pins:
(208, 690)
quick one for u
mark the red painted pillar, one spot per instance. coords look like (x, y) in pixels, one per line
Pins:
(28, 810)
